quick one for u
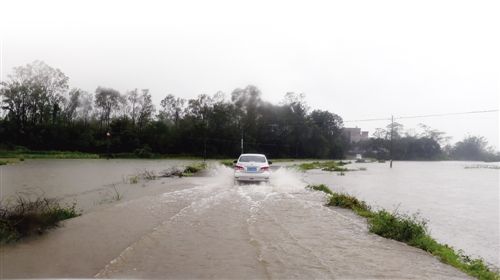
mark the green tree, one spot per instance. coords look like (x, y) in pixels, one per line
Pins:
(107, 100)
(471, 148)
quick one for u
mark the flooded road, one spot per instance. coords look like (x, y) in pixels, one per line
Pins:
(206, 227)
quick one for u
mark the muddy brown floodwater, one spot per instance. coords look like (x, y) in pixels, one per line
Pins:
(205, 227)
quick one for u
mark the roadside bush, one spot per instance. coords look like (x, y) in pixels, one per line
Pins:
(336, 166)
(228, 163)
(397, 226)
(144, 152)
(347, 201)
(31, 216)
(190, 170)
(322, 188)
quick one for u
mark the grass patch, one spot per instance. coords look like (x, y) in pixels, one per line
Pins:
(485, 166)
(27, 154)
(5, 161)
(148, 175)
(117, 196)
(321, 188)
(192, 169)
(133, 179)
(29, 216)
(227, 162)
(411, 230)
(324, 165)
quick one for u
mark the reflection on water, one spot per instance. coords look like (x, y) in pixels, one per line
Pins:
(461, 204)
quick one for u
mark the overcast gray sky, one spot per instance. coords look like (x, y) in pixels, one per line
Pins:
(359, 59)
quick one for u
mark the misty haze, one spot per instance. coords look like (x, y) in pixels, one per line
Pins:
(249, 140)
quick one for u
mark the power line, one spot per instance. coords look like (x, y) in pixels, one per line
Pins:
(426, 116)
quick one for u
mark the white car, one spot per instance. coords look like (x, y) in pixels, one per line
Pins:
(251, 168)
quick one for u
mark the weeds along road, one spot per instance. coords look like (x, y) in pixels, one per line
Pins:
(206, 227)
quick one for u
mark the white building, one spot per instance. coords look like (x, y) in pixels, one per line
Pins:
(354, 134)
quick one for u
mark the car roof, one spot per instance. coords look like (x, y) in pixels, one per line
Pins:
(261, 155)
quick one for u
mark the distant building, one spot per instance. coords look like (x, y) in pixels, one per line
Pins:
(354, 134)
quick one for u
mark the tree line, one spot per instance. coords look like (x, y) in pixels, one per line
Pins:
(41, 112)
(429, 144)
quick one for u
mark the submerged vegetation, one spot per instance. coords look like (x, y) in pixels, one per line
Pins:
(332, 166)
(148, 175)
(29, 216)
(485, 166)
(192, 169)
(411, 230)
(227, 162)
(321, 188)
(323, 165)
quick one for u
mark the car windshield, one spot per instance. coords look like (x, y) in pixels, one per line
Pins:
(252, 159)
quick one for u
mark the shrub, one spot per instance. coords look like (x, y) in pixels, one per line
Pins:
(325, 166)
(397, 226)
(194, 168)
(29, 216)
(144, 152)
(347, 201)
(228, 163)
(321, 187)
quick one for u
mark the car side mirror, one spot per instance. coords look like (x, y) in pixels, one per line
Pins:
(235, 161)
(270, 162)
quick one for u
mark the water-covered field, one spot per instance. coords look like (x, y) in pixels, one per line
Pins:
(460, 200)
(205, 227)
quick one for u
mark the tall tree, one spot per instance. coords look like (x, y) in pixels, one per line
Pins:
(171, 109)
(107, 100)
(146, 109)
(34, 94)
(134, 101)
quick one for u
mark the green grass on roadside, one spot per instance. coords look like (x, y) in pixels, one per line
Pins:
(27, 154)
(324, 165)
(192, 169)
(5, 161)
(321, 188)
(227, 162)
(30, 216)
(411, 230)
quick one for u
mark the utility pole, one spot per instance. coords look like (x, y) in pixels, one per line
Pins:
(205, 142)
(392, 135)
(242, 141)
(108, 138)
